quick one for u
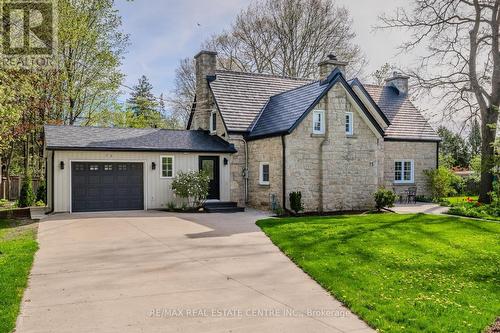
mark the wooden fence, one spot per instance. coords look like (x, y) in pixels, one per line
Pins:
(12, 193)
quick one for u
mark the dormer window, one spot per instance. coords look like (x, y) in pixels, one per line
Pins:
(213, 122)
(318, 122)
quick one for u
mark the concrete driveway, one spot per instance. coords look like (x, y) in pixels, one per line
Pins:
(160, 272)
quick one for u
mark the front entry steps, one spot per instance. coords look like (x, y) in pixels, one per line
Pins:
(223, 207)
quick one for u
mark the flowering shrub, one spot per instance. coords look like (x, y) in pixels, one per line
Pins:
(192, 186)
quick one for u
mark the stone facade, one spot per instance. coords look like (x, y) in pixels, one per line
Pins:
(424, 156)
(238, 166)
(270, 151)
(334, 171)
(206, 64)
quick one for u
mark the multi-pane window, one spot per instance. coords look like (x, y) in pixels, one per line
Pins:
(79, 167)
(349, 123)
(167, 166)
(94, 167)
(264, 173)
(403, 171)
(213, 122)
(108, 167)
(318, 122)
(122, 167)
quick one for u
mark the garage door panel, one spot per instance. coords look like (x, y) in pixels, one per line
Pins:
(107, 186)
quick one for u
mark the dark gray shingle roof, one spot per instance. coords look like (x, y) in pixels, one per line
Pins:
(132, 139)
(283, 110)
(406, 122)
(241, 96)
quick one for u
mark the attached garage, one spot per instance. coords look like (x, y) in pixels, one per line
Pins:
(106, 186)
(93, 169)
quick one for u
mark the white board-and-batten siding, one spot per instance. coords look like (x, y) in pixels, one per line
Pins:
(157, 190)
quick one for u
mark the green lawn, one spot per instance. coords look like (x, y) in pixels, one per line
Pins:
(412, 273)
(17, 248)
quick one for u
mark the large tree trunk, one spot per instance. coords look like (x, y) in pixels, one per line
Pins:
(488, 131)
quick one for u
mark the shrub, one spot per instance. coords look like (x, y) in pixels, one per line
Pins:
(384, 199)
(41, 193)
(296, 202)
(40, 203)
(192, 186)
(171, 206)
(440, 182)
(27, 196)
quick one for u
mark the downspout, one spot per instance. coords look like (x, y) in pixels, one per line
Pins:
(437, 155)
(283, 170)
(321, 173)
(245, 172)
(53, 204)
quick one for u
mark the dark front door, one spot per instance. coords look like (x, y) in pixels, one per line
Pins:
(106, 186)
(210, 164)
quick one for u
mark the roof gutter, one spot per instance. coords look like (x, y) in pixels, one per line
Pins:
(226, 151)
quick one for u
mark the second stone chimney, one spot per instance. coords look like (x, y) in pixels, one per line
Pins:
(399, 82)
(327, 66)
(206, 65)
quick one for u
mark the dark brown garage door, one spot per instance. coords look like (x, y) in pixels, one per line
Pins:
(97, 186)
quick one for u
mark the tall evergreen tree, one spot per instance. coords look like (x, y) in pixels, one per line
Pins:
(142, 100)
(475, 138)
(454, 147)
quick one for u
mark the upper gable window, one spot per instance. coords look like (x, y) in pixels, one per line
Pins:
(213, 122)
(318, 122)
(349, 123)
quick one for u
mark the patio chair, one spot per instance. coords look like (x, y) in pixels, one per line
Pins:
(412, 195)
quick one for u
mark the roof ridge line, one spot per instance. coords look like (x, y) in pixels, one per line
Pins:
(265, 75)
(287, 91)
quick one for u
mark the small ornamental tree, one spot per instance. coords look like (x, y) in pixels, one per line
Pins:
(192, 186)
(27, 196)
(296, 202)
(384, 199)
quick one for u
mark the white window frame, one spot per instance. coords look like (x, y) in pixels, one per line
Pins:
(351, 123)
(412, 173)
(261, 173)
(322, 122)
(212, 115)
(161, 166)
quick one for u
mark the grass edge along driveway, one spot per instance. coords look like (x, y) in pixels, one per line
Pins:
(17, 249)
(412, 273)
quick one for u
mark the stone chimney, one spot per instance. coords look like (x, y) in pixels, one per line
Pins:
(206, 64)
(399, 82)
(327, 66)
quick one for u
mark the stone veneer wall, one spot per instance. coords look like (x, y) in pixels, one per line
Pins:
(265, 150)
(237, 165)
(424, 155)
(350, 163)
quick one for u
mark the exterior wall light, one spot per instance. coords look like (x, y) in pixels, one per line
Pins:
(61, 165)
(153, 166)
